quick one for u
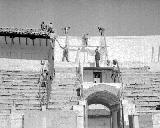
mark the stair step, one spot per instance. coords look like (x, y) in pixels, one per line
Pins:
(66, 69)
(62, 92)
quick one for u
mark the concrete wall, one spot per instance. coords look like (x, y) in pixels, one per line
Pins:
(20, 49)
(88, 76)
(106, 76)
(50, 119)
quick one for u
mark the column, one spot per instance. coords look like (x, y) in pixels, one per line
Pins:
(85, 107)
(114, 119)
(111, 120)
(79, 109)
(136, 121)
(119, 118)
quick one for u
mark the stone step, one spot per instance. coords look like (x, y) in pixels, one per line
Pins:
(66, 79)
(18, 88)
(62, 105)
(10, 96)
(6, 111)
(19, 98)
(10, 72)
(66, 69)
(62, 92)
(63, 97)
(65, 75)
(18, 101)
(64, 86)
(20, 84)
(18, 91)
(20, 76)
(20, 107)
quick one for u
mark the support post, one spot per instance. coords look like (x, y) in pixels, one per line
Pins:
(136, 121)
(159, 54)
(114, 119)
(152, 54)
(81, 114)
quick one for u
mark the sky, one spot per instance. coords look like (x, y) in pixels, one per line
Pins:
(118, 17)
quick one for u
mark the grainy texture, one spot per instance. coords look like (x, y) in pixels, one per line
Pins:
(64, 85)
(142, 87)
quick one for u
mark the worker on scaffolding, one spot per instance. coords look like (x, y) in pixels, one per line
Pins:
(97, 57)
(44, 74)
(43, 27)
(116, 70)
(65, 53)
(65, 48)
(44, 82)
(85, 40)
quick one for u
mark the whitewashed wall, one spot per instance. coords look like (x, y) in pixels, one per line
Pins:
(125, 49)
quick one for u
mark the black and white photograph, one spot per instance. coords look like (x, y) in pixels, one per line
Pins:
(79, 63)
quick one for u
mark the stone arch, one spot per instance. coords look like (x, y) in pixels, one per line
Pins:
(108, 96)
(104, 94)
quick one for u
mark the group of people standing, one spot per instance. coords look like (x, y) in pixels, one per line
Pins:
(47, 27)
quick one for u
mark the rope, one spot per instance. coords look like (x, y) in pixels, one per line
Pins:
(58, 43)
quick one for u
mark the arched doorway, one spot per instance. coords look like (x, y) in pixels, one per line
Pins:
(109, 98)
(99, 116)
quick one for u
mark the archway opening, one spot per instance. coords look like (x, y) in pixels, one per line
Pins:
(103, 110)
(99, 116)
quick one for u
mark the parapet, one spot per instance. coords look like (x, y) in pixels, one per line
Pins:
(20, 32)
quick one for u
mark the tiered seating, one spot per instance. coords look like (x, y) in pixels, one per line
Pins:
(64, 85)
(142, 87)
(19, 89)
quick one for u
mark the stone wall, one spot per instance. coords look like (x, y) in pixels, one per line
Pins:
(25, 49)
(50, 119)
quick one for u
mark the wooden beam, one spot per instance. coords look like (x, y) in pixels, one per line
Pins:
(26, 42)
(19, 40)
(5, 39)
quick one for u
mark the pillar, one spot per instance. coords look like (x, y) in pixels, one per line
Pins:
(114, 119)
(119, 118)
(81, 111)
(43, 107)
(136, 121)
(111, 120)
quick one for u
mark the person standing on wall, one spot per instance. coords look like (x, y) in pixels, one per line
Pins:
(50, 27)
(85, 40)
(97, 57)
(43, 26)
